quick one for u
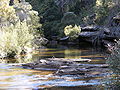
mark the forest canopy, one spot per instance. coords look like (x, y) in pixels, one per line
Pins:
(79, 12)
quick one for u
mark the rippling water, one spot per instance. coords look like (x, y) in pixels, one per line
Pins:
(12, 77)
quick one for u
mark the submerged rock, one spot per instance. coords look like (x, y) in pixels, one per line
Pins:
(62, 67)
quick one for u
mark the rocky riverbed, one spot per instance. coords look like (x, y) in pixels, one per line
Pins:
(67, 67)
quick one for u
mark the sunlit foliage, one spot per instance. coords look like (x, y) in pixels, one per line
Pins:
(102, 9)
(72, 32)
(7, 13)
(18, 27)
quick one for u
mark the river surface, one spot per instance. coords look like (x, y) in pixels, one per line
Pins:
(18, 78)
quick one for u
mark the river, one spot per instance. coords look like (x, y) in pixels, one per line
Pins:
(18, 78)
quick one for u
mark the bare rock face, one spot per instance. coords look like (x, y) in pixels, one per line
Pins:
(106, 37)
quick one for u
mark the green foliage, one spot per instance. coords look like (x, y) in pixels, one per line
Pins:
(72, 32)
(56, 16)
(18, 28)
(53, 20)
(103, 9)
(41, 5)
(7, 13)
(114, 60)
(66, 5)
(68, 18)
(15, 38)
(56, 13)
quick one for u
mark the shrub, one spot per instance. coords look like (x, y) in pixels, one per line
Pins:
(112, 82)
(18, 28)
(114, 60)
(16, 38)
(72, 32)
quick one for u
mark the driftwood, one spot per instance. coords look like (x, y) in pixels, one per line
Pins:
(69, 67)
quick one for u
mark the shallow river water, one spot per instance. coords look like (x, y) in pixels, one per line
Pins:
(18, 78)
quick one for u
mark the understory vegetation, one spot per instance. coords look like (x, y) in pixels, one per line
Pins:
(114, 60)
(18, 28)
(114, 65)
(72, 31)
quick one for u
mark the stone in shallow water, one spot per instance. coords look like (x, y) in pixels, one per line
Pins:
(69, 68)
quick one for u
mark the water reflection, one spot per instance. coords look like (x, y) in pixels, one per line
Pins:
(67, 53)
(16, 77)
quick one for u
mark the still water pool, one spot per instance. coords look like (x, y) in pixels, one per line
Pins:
(18, 78)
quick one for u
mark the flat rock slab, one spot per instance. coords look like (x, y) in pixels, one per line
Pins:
(65, 59)
(69, 68)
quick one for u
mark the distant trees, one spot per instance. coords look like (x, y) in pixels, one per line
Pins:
(66, 4)
(87, 12)
(105, 9)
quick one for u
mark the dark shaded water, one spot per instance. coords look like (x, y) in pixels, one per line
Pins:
(12, 77)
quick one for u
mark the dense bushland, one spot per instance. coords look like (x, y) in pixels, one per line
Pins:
(57, 14)
(18, 28)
